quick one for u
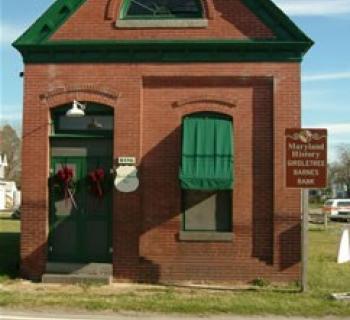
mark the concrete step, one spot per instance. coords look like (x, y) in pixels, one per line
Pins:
(76, 279)
(94, 269)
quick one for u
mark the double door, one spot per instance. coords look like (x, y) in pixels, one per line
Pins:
(81, 189)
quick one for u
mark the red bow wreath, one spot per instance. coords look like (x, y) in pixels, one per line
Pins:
(65, 177)
(97, 177)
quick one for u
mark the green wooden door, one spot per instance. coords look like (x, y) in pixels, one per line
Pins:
(80, 215)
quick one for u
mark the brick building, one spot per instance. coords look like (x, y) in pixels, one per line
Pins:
(198, 94)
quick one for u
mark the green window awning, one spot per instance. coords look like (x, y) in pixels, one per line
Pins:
(207, 152)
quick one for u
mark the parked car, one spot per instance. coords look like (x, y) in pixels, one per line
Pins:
(337, 209)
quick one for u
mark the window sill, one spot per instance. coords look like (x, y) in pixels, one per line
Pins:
(165, 23)
(206, 236)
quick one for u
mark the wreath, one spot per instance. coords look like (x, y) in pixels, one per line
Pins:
(67, 184)
(97, 178)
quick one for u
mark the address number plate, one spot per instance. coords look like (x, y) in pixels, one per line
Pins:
(127, 160)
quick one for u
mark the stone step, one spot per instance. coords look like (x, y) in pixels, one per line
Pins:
(76, 279)
(94, 269)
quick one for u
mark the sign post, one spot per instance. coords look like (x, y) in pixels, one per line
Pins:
(306, 167)
(304, 238)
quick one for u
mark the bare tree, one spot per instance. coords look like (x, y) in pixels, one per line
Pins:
(11, 146)
(339, 172)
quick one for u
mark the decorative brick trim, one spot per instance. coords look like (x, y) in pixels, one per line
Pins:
(87, 93)
(112, 9)
(205, 99)
(80, 89)
(209, 9)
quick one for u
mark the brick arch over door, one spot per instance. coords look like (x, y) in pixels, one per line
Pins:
(58, 97)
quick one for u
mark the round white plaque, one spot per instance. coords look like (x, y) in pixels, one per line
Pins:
(126, 179)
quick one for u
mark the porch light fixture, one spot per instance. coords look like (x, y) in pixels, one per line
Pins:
(77, 110)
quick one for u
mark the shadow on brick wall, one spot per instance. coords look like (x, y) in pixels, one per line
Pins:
(159, 196)
(289, 246)
(33, 265)
(160, 168)
(263, 172)
(235, 18)
(161, 200)
(148, 271)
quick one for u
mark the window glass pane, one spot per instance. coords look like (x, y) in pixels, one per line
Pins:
(344, 204)
(207, 211)
(88, 122)
(164, 8)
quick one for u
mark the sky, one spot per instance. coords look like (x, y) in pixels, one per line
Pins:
(325, 69)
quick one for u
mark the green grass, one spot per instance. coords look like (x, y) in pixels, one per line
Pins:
(325, 277)
(315, 205)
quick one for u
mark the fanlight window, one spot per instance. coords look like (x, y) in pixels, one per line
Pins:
(98, 120)
(141, 9)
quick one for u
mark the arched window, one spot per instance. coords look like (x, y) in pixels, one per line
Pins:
(162, 9)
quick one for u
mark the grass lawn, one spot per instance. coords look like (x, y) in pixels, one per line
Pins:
(315, 205)
(325, 277)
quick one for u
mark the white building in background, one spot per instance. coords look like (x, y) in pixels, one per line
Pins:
(10, 197)
(339, 190)
(3, 165)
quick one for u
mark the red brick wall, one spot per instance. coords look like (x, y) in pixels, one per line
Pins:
(266, 215)
(262, 98)
(227, 20)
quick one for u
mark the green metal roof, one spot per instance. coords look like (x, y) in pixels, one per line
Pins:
(289, 44)
(49, 22)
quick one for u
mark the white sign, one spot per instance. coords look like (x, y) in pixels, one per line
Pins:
(344, 247)
(127, 160)
(126, 180)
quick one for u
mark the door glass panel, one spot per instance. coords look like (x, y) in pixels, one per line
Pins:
(63, 207)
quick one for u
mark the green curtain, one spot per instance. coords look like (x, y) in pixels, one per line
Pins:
(207, 152)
